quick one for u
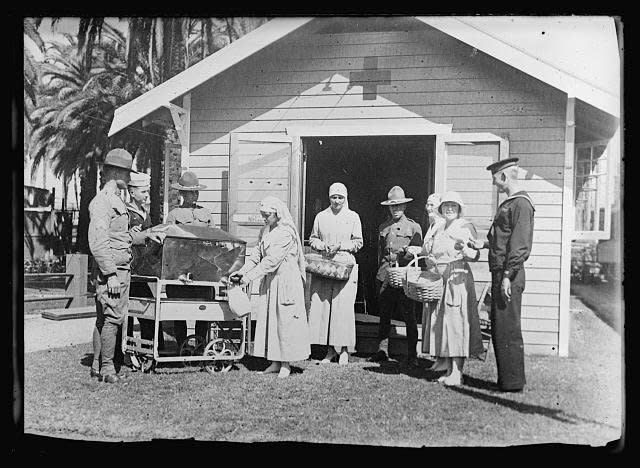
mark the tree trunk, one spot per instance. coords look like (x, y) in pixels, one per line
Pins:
(88, 182)
(157, 179)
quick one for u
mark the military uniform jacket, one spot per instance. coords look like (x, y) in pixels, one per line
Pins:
(393, 237)
(511, 234)
(195, 216)
(109, 237)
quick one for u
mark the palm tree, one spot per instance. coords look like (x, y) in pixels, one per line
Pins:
(72, 121)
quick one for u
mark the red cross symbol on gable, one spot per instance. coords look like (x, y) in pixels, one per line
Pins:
(369, 78)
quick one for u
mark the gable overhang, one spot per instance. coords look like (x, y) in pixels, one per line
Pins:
(574, 87)
(202, 71)
(157, 99)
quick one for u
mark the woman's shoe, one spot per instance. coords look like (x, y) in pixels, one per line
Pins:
(284, 372)
(344, 358)
(453, 380)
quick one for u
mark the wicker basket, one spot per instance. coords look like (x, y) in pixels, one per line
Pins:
(397, 275)
(426, 286)
(320, 266)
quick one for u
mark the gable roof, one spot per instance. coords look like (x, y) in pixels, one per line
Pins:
(474, 31)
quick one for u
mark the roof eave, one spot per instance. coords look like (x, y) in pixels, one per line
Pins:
(204, 70)
(574, 87)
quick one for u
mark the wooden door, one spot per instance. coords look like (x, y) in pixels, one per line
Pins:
(461, 161)
(260, 165)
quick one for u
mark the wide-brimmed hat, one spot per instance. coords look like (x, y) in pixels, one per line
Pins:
(450, 197)
(188, 181)
(396, 197)
(119, 157)
(139, 179)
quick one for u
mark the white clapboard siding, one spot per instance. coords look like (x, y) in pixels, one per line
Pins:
(433, 78)
(540, 312)
(539, 325)
(548, 349)
(540, 337)
(543, 300)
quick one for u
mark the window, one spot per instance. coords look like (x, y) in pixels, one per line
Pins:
(591, 190)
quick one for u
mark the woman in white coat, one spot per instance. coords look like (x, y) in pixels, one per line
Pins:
(451, 330)
(282, 333)
(337, 235)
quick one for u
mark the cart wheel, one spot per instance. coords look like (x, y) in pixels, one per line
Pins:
(216, 348)
(193, 346)
(135, 362)
(148, 364)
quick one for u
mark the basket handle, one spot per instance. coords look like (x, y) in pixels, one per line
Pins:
(415, 260)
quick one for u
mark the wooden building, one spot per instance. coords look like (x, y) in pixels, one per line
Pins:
(425, 103)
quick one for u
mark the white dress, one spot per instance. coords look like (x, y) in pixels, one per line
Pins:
(331, 312)
(282, 332)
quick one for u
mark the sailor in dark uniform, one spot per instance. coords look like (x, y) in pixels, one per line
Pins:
(395, 235)
(140, 220)
(509, 243)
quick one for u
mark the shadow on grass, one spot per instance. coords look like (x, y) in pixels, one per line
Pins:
(395, 367)
(518, 406)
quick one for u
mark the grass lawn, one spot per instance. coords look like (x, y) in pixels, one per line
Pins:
(605, 299)
(573, 400)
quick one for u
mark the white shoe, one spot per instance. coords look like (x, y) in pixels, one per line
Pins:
(344, 358)
(454, 380)
(284, 372)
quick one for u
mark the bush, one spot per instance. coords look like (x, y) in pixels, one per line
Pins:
(45, 266)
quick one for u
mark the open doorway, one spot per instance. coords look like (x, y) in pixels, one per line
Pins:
(369, 166)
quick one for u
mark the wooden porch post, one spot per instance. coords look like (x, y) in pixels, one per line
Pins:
(567, 228)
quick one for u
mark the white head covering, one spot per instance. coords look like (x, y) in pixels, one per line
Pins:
(339, 188)
(285, 220)
(139, 179)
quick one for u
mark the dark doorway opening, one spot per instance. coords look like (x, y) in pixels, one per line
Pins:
(369, 166)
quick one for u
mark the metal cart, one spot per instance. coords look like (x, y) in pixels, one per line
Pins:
(185, 284)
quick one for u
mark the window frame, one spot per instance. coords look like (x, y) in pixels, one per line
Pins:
(607, 179)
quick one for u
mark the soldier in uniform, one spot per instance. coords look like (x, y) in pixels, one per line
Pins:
(395, 235)
(192, 214)
(139, 220)
(509, 243)
(110, 241)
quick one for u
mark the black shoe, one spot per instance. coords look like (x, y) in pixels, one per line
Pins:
(510, 390)
(111, 378)
(95, 374)
(380, 356)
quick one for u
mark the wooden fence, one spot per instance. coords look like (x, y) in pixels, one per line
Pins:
(75, 286)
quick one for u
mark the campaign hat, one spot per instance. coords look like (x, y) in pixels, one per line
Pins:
(119, 157)
(396, 197)
(188, 181)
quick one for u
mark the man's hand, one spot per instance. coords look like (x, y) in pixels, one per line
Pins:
(475, 244)
(506, 288)
(137, 228)
(157, 234)
(113, 285)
